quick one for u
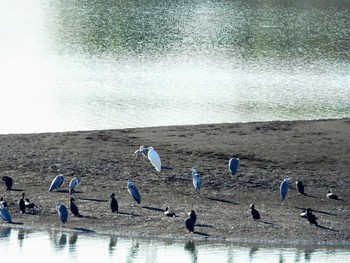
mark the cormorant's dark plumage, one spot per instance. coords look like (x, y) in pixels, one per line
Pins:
(255, 213)
(8, 182)
(193, 216)
(300, 187)
(21, 204)
(74, 208)
(311, 217)
(331, 195)
(189, 224)
(113, 203)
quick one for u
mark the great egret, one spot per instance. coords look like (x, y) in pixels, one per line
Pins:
(56, 182)
(74, 208)
(255, 213)
(113, 203)
(196, 178)
(189, 224)
(284, 188)
(233, 165)
(62, 212)
(8, 182)
(134, 192)
(74, 184)
(154, 158)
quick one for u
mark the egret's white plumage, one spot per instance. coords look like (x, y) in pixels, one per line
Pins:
(233, 165)
(134, 192)
(62, 212)
(56, 182)
(5, 214)
(74, 184)
(154, 158)
(197, 180)
(284, 188)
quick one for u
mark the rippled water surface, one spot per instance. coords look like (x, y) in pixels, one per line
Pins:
(57, 246)
(82, 65)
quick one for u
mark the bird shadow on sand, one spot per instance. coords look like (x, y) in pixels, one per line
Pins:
(84, 230)
(201, 234)
(128, 214)
(203, 225)
(327, 228)
(16, 190)
(16, 223)
(154, 208)
(222, 200)
(317, 211)
(93, 199)
(167, 168)
(265, 222)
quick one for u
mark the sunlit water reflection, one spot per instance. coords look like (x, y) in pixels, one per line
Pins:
(83, 65)
(56, 246)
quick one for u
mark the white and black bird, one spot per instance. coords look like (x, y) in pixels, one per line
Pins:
(3, 202)
(254, 212)
(74, 183)
(29, 204)
(193, 216)
(154, 158)
(62, 212)
(5, 214)
(311, 217)
(74, 208)
(233, 165)
(56, 182)
(169, 212)
(332, 195)
(300, 187)
(284, 188)
(8, 182)
(134, 192)
(113, 203)
(196, 179)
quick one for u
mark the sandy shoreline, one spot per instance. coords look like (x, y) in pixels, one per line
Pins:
(317, 152)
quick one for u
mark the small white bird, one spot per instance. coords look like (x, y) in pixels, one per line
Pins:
(5, 214)
(134, 192)
(74, 184)
(56, 182)
(197, 180)
(284, 188)
(233, 165)
(154, 158)
(62, 212)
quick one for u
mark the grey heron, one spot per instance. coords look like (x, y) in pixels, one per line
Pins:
(74, 184)
(196, 179)
(284, 188)
(5, 214)
(62, 212)
(134, 192)
(233, 165)
(56, 182)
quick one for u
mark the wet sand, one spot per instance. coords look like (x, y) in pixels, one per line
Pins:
(316, 152)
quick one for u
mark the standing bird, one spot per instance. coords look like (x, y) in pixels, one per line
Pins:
(193, 216)
(132, 189)
(169, 212)
(113, 203)
(8, 182)
(74, 184)
(311, 217)
(284, 189)
(143, 151)
(62, 212)
(3, 202)
(28, 204)
(196, 178)
(331, 195)
(300, 187)
(21, 204)
(74, 208)
(189, 224)
(255, 213)
(154, 158)
(56, 182)
(5, 214)
(233, 165)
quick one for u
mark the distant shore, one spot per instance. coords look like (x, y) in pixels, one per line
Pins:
(316, 152)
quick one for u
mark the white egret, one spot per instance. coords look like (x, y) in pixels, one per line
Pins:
(196, 178)
(154, 158)
(134, 192)
(56, 182)
(233, 165)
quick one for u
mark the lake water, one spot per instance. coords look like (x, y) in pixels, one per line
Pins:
(83, 65)
(57, 246)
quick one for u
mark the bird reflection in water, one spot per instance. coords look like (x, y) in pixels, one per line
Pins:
(191, 247)
(112, 244)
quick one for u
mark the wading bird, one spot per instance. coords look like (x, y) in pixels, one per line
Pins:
(255, 213)
(5, 214)
(154, 158)
(113, 203)
(233, 165)
(134, 192)
(300, 187)
(8, 182)
(62, 212)
(196, 178)
(74, 208)
(74, 184)
(21, 204)
(56, 182)
(284, 189)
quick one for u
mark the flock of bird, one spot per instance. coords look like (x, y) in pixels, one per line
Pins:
(154, 158)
